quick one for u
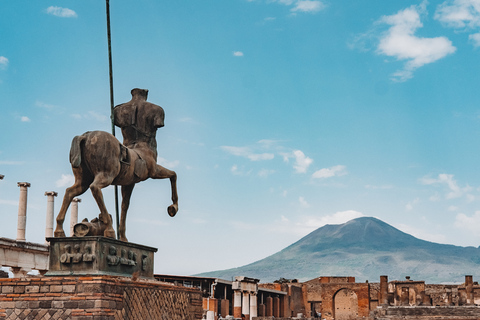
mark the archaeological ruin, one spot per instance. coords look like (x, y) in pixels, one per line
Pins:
(69, 286)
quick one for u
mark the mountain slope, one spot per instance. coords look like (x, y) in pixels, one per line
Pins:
(365, 248)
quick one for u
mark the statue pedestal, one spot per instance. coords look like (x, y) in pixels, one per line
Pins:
(99, 256)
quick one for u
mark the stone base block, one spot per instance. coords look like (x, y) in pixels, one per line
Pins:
(99, 256)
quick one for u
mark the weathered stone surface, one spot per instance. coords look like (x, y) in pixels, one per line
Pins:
(96, 256)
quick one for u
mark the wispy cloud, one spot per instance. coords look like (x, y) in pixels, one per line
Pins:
(248, 153)
(409, 206)
(302, 162)
(308, 6)
(237, 53)
(168, 164)
(303, 203)
(66, 180)
(44, 105)
(3, 62)
(61, 12)
(475, 39)
(469, 223)
(9, 202)
(25, 119)
(400, 42)
(11, 163)
(459, 13)
(455, 191)
(265, 172)
(338, 170)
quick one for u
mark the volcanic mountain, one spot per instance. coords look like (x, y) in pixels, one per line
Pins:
(364, 248)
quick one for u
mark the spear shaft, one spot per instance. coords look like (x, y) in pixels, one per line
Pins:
(112, 104)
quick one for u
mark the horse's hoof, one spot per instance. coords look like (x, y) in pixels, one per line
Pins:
(124, 239)
(59, 234)
(172, 210)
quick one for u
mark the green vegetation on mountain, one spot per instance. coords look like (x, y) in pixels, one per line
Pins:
(364, 248)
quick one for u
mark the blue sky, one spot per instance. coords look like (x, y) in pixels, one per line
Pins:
(281, 116)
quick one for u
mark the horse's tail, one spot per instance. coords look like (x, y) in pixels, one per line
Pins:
(76, 151)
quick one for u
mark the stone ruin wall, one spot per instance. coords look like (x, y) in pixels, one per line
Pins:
(98, 297)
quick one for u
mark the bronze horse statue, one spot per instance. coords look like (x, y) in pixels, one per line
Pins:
(98, 160)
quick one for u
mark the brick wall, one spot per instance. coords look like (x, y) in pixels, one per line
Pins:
(92, 298)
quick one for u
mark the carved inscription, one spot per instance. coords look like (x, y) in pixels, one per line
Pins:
(126, 258)
(77, 256)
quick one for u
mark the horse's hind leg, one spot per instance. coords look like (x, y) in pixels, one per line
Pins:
(163, 173)
(126, 194)
(79, 187)
(101, 181)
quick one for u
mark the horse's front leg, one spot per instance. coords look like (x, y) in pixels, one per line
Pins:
(126, 194)
(164, 173)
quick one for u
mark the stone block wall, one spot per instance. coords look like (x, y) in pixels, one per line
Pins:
(99, 297)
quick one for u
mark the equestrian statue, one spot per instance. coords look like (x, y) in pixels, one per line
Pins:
(98, 160)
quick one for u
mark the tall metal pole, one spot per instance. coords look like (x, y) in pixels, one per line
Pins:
(112, 104)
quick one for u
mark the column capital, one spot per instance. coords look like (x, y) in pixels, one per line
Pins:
(76, 200)
(23, 184)
(51, 193)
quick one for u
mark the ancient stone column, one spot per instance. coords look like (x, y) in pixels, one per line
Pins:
(383, 297)
(469, 289)
(50, 208)
(276, 307)
(246, 304)
(22, 211)
(269, 311)
(253, 305)
(74, 214)
(237, 304)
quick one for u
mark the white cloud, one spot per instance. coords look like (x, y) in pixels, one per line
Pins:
(303, 203)
(237, 53)
(61, 12)
(265, 172)
(409, 205)
(475, 39)
(401, 43)
(246, 152)
(3, 62)
(167, 164)
(336, 218)
(44, 105)
(450, 182)
(97, 116)
(66, 180)
(338, 170)
(302, 162)
(459, 13)
(25, 119)
(308, 6)
(9, 202)
(384, 187)
(11, 163)
(467, 223)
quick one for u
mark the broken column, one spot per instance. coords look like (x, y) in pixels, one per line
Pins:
(74, 214)
(246, 304)
(237, 303)
(22, 211)
(469, 289)
(50, 208)
(383, 299)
